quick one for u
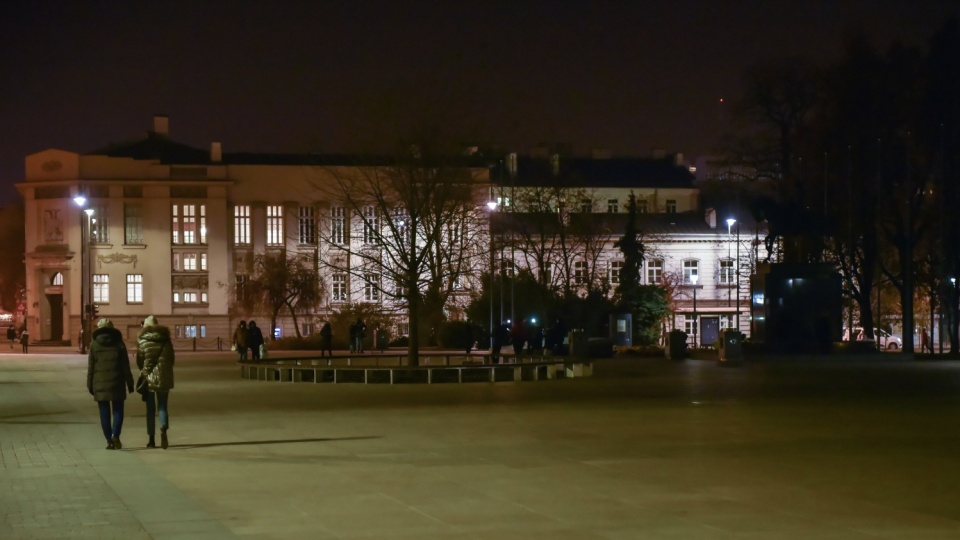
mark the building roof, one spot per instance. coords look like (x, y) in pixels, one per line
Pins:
(610, 172)
(688, 223)
(160, 147)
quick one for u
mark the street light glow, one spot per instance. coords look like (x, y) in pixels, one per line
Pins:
(88, 211)
(492, 205)
(80, 201)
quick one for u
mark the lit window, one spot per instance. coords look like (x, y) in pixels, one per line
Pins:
(690, 327)
(690, 269)
(57, 279)
(190, 331)
(726, 322)
(99, 225)
(274, 225)
(101, 288)
(189, 223)
(241, 225)
(726, 272)
(339, 288)
(134, 288)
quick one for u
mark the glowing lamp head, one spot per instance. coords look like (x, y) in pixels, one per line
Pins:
(492, 205)
(88, 211)
(730, 222)
(694, 278)
(80, 201)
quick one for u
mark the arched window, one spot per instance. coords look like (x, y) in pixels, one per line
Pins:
(57, 279)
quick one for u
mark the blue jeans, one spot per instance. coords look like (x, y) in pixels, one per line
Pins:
(161, 400)
(105, 418)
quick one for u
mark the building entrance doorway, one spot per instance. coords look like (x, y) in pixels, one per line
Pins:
(54, 320)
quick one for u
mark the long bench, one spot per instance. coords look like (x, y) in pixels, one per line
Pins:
(434, 368)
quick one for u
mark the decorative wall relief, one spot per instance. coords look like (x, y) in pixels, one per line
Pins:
(52, 226)
(116, 258)
(191, 282)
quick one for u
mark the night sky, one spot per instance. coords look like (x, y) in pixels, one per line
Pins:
(288, 76)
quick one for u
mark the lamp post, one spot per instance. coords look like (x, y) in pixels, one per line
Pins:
(696, 330)
(492, 206)
(81, 202)
(730, 222)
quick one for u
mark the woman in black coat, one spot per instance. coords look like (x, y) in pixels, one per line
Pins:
(109, 378)
(254, 340)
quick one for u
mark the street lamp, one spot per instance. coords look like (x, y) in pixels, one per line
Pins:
(696, 330)
(730, 222)
(492, 206)
(81, 202)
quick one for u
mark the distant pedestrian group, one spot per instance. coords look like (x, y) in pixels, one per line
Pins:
(358, 331)
(246, 336)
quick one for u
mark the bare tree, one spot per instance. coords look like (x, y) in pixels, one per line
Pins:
(416, 221)
(281, 280)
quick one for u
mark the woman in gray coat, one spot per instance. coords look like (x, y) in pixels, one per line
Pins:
(155, 359)
(109, 379)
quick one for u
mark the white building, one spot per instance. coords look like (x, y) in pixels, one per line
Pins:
(172, 231)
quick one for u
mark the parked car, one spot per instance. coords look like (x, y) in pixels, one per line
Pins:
(886, 340)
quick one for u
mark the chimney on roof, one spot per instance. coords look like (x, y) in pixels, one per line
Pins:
(711, 218)
(678, 159)
(555, 164)
(216, 152)
(161, 124)
(512, 164)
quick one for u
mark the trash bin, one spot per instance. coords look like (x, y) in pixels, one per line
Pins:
(731, 348)
(578, 343)
(676, 348)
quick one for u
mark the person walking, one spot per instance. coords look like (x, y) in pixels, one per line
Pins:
(155, 358)
(326, 339)
(254, 340)
(499, 338)
(25, 341)
(11, 335)
(109, 379)
(358, 335)
(240, 341)
(518, 335)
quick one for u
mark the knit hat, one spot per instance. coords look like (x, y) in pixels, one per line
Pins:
(150, 321)
(104, 323)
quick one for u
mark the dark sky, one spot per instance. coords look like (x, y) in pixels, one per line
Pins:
(290, 76)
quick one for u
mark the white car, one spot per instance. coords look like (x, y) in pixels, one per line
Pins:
(886, 340)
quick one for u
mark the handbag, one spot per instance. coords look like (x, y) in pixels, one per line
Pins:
(263, 351)
(233, 347)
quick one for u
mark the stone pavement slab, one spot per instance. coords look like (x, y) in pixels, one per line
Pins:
(647, 448)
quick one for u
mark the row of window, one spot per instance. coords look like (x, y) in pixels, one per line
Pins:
(189, 223)
(101, 291)
(613, 206)
(654, 271)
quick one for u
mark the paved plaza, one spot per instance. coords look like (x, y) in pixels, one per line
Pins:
(647, 448)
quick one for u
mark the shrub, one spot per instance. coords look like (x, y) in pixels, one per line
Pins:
(457, 334)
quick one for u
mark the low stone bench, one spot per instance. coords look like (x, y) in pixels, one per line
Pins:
(433, 369)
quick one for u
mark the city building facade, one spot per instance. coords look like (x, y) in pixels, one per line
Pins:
(157, 227)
